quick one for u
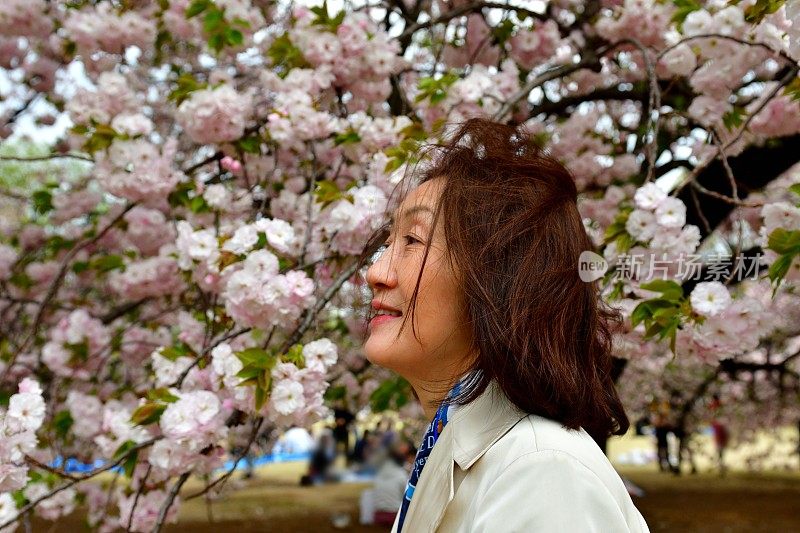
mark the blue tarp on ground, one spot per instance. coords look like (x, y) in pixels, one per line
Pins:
(73, 466)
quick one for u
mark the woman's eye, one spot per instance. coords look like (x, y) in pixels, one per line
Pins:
(410, 239)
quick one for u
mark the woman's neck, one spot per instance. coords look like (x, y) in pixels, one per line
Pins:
(430, 394)
(429, 398)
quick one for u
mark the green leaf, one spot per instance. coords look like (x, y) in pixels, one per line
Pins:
(21, 280)
(251, 144)
(130, 463)
(105, 129)
(260, 398)
(285, 264)
(792, 89)
(670, 329)
(616, 292)
(80, 266)
(213, 19)
(393, 164)
(435, 89)
(163, 38)
(284, 54)
(185, 85)
(672, 340)
(652, 330)
(216, 42)
(107, 263)
(665, 312)
(42, 202)
(391, 394)
(733, 118)
(795, 188)
(124, 448)
(62, 422)
(197, 7)
(684, 7)
(132, 456)
(669, 290)
(323, 19)
(180, 195)
(240, 22)
(755, 13)
(335, 393)
(349, 137)
(625, 242)
(162, 394)
(70, 48)
(295, 355)
(198, 204)
(617, 228)
(100, 139)
(327, 192)
(640, 312)
(19, 497)
(233, 36)
(779, 268)
(249, 373)
(148, 413)
(261, 242)
(177, 350)
(503, 31)
(57, 243)
(79, 351)
(415, 131)
(784, 241)
(257, 358)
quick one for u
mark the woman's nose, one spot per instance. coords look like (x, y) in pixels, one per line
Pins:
(381, 274)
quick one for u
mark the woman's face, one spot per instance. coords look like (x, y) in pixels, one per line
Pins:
(439, 315)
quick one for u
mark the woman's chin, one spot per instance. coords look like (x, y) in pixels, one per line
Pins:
(377, 353)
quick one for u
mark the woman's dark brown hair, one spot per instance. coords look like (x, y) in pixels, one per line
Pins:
(513, 235)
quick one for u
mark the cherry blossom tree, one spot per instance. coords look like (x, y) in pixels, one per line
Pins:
(194, 275)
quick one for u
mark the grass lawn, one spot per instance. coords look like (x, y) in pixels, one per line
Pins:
(273, 501)
(705, 502)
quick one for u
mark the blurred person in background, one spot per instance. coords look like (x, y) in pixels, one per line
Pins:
(719, 431)
(343, 419)
(365, 452)
(660, 418)
(388, 434)
(321, 462)
(390, 482)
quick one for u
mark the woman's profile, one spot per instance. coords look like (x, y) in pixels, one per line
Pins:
(478, 303)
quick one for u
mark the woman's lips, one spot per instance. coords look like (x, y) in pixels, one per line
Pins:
(380, 319)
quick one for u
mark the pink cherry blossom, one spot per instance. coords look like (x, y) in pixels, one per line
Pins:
(214, 115)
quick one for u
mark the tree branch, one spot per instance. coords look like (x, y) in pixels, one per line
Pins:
(56, 284)
(311, 314)
(178, 382)
(74, 480)
(162, 514)
(257, 423)
(45, 158)
(608, 93)
(789, 76)
(464, 10)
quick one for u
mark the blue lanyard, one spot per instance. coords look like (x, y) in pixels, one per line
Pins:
(431, 436)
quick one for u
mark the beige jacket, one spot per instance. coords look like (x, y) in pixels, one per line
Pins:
(496, 469)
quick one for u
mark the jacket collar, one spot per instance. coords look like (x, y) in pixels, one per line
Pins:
(466, 437)
(481, 423)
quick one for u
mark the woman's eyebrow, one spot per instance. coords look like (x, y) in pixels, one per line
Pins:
(410, 211)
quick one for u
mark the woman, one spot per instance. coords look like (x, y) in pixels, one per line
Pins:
(508, 350)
